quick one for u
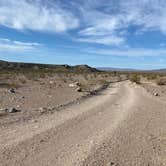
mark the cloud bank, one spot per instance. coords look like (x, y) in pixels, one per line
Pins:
(36, 15)
(114, 19)
(105, 22)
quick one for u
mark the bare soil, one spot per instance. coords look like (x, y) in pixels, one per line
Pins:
(123, 125)
(37, 96)
(152, 88)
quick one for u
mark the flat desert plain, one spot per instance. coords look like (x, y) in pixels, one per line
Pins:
(82, 120)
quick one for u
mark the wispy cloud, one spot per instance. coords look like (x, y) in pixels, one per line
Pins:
(94, 21)
(36, 15)
(129, 52)
(10, 45)
(113, 18)
(106, 40)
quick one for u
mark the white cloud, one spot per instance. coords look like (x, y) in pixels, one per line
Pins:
(133, 52)
(36, 15)
(112, 18)
(148, 14)
(104, 22)
(10, 45)
(106, 40)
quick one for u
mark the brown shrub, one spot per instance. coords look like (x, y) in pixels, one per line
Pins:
(161, 81)
(135, 78)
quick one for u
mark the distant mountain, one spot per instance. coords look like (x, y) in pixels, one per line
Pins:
(130, 70)
(115, 69)
(4, 65)
(160, 70)
(84, 68)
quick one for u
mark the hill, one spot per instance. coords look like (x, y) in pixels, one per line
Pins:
(115, 69)
(4, 65)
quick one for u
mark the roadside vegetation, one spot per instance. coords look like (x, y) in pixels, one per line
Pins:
(161, 81)
(135, 78)
(14, 75)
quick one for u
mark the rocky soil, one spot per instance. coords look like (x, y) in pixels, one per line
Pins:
(23, 98)
(123, 125)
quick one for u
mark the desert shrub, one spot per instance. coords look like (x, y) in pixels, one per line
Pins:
(95, 75)
(50, 74)
(151, 76)
(135, 78)
(119, 78)
(127, 76)
(9, 85)
(114, 73)
(86, 77)
(161, 81)
(23, 80)
(103, 82)
(42, 75)
(64, 80)
(6, 76)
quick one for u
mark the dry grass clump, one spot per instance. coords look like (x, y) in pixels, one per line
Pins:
(9, 85)
(161, 81)
(151, 76)
(135, 78)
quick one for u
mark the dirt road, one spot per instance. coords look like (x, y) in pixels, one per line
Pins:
(121, 126)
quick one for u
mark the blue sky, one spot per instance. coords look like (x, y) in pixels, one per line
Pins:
(100, 33)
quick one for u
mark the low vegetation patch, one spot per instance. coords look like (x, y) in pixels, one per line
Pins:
(9, 85)
(151, 76)
(135, 78)
(161, 81)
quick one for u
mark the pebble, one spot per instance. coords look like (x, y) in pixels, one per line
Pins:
(79, 89)
(12, 110)
(3, 110)
(12, 90)
(156, 94)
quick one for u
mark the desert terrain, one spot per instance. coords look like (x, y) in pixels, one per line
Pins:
(81, 117)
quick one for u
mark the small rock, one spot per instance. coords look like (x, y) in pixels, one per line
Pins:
(60, 105)
(93, 92)
(156, 94)
(75, 84)
(71, 85)
(113, 164)
(49, 109)
(12, 90)
(51, 82)
(42, 110)
(34, 121)
(13, 110)
(18, 106)
(79, 89)
(3, 110)
(42, 140)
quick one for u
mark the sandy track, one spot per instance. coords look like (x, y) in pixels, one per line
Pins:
(121, 126)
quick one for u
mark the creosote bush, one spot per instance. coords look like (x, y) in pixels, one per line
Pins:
(151, 76)
(135, 78)
(161, 81)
